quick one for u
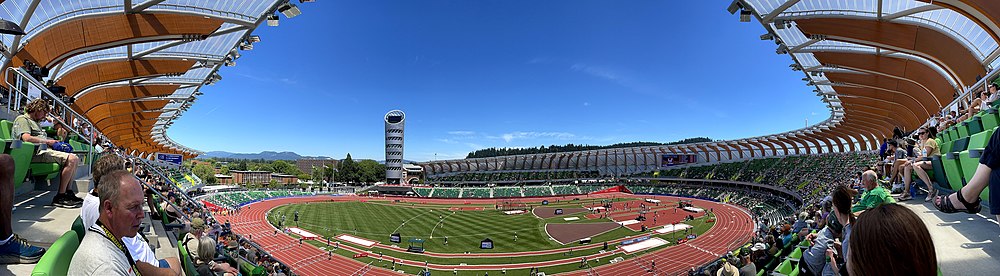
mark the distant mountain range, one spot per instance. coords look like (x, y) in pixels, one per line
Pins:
(266, 155)
(269, 156)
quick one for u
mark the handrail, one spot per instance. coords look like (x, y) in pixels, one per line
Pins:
(14, 104)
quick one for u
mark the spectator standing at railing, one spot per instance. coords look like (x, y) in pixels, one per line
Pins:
(26, 129)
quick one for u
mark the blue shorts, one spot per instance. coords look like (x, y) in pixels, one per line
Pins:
(164, 264)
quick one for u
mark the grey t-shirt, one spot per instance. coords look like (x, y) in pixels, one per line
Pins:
(815, 256)
(900, 153)
(97, 255)
(748, 269)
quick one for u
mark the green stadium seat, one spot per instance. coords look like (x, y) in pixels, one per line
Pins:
(795, 255)
(785, 268)
(57, 257)
(188, 264)
(963, 128)
(969, 163)
(952, 168)
(22, 157)
(945, 146)
(991, 118)
(78, 228)
(797, 269)
(760, 273)
(975, 125)
(938, 174)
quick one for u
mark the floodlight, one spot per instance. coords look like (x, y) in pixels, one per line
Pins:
(734, 7)
(779, 24)
(229, 63)
(745, 16)
(306, 1)
(254, 38)
(781, 50)
(272, 20)
(767, 36)
(289, 10)
(246, 46)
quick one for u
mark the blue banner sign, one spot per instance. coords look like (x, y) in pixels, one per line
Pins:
(170, 158)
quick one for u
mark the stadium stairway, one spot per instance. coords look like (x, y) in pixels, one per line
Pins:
(965, 244)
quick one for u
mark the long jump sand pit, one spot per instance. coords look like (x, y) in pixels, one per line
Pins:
(548, 212)
(571, 232)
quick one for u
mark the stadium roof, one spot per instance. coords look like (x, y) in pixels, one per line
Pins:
(134, 66)
(877, 64)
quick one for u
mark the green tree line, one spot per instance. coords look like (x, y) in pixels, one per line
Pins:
(493, 152)
(347, 170)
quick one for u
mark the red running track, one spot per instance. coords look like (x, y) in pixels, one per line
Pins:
(736, 229)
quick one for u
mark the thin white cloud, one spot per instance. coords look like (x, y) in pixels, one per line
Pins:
(586, 104)
(462, 132)
(597, 71)
(508, 137)
(540, 60)
(267, 79)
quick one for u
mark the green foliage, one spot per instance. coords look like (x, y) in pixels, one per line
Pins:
(347, 171)
(370, 171)
(491, 152)
(211, 179)
(203, 171)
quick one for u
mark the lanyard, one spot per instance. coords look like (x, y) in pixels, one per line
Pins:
(118, 243)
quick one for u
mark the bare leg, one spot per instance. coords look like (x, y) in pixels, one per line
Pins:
(907, 175)
(971, 191)
(6, 194)
(68, 171)
(919, 168)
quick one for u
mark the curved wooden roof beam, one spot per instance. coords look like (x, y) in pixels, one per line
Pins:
(940, 48)
(125, 118)
(848, 137)
(858, 88)
(76, 36)
(883, 109)
(884, 126)
(121, 93)
(986, 13)
(830, 140)
(144, 127)
(877, 98)
(816, 139)
(117, 70)
(802, 141)
(865, 137)
(720, 149)
(734, 147)
(111, 109)
(741, 143)
(873, 131)
(775, 144)
(787, 141)
(762, 144)
(925, 84)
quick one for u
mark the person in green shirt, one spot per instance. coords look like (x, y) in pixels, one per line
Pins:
(26, 129)
(874, 195)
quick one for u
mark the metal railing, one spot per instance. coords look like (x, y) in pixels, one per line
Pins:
(18, 94)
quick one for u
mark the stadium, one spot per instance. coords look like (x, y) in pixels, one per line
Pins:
(895, 180)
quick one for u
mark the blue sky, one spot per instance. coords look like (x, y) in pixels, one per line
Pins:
(504, 73)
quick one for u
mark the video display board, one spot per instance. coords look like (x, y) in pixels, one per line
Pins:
(669, 160)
